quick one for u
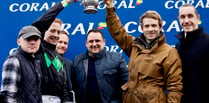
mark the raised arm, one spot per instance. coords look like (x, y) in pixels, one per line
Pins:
(116, 29)
(44, 21)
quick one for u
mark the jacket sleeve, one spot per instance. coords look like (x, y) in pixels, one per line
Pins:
(173, 77)
(117, 31)
(66, 95)
(75, 64)
(68, 64)
(73, 74)
(44, 22)
(123, 70)
(10, 79)
(65, 87)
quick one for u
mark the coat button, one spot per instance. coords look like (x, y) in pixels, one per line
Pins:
(135, 92)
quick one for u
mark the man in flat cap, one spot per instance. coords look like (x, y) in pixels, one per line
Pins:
(20, 73)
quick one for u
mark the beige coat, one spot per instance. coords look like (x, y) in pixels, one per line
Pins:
(152, 71)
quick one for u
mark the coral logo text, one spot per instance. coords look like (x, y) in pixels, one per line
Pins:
(170, 4)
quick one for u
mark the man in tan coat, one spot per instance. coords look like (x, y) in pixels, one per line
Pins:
(154, 66)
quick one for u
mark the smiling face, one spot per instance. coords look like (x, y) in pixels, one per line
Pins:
(151, 29)
(151, 25)
(95, 42)
(188, 18)
(62, 43)
(52, 34)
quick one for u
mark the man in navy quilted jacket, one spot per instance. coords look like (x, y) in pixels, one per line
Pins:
(97, 75)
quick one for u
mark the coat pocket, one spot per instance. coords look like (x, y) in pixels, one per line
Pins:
(110, 72)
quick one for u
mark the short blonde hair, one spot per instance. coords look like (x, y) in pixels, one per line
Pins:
(151, 14)
(64, 32)
(57, 20)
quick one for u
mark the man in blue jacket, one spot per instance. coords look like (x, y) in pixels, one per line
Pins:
(97, 75)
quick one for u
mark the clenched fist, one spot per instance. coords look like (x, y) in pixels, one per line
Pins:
(109, 3)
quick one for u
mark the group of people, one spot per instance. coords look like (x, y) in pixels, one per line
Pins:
(38, 72)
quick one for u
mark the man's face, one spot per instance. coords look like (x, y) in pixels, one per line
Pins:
(30, 45)
(95, 43)
(62, 44)
(188, 19)
(151, 29)
(52, 34)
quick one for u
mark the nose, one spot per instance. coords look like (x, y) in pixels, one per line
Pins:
(150, 28)
(57, 35)
(55, 32)
(62, 44)
(94, 43)
(32, 41)
(186, 19)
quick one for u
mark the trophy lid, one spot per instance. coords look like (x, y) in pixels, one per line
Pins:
(90, 10)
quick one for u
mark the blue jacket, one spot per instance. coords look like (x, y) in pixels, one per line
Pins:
(111, 72)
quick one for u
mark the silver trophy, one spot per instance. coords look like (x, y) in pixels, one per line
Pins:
(90, 6)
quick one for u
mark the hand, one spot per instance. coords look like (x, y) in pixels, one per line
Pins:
(68, 1)
(109, 3)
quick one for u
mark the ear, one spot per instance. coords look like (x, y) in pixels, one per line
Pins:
(18, 41)
(161, 28)
(86, 43)
(104, 42)
(141, 27)
(198, 16)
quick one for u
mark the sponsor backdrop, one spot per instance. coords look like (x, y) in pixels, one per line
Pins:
(17, 13)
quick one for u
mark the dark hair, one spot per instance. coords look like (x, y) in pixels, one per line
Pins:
(96, 31)
(190, 5)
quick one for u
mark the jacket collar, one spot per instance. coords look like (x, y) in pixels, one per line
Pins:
(142, 41)
(27, 55)
(190, 35)
(98, 56)
(144, 48)
(48, 45)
